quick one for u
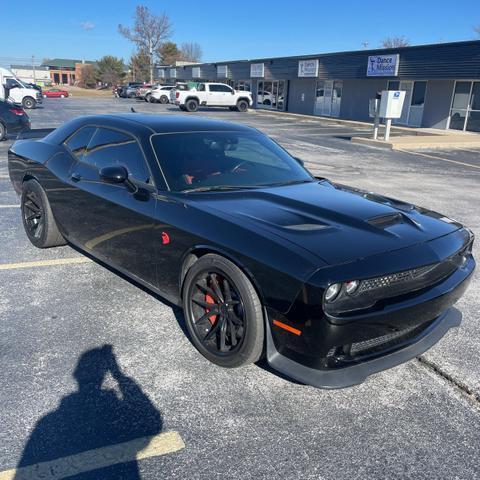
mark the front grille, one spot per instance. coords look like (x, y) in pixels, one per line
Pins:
(385, 341)
(394, 278)
(359, 351)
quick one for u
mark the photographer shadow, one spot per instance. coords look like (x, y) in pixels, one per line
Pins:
(93, 417)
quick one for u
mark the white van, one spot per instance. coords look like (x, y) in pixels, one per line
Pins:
(18, 92)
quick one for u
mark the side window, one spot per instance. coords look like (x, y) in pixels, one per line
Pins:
(110, 147)
(201, 88)
(224, 88)
(78, 142)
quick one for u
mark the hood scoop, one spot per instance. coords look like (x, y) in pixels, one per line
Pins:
(391, 219)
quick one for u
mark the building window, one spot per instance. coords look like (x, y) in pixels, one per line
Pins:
(418, 96)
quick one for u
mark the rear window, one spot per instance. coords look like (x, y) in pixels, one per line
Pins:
(79, 141)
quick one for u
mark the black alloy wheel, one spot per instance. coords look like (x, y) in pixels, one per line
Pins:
(223, 313)
(38, 220)
(33, 215)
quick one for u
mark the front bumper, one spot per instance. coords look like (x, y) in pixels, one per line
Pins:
(355, 374)
(339, 351)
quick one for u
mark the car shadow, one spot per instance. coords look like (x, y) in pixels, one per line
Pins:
(93, 417)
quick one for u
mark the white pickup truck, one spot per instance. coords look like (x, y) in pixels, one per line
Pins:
(211, 95)
(13, 88)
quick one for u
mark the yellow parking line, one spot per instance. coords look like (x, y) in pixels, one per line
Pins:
(413, 152)
(44, 263)
(145, 447)
(9, 206)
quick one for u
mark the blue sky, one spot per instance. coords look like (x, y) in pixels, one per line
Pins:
(235, 30)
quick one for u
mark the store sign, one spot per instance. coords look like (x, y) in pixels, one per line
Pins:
(173, 73)
(257, 70)
(383, 65)
(222, 71)
(308, 68)
(196, 73)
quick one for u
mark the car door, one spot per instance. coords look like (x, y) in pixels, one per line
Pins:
(113, 222)
(216, 97)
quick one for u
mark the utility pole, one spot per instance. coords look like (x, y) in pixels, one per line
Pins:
(33, 68)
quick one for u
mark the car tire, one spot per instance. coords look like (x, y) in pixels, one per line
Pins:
(163, 99)
(28, 102)
(3, 132)
(41, 230)
(191, 105)
(147, 98)
(241, 323)
(242, 106)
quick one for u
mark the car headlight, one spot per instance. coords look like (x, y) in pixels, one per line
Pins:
(332, 292)
(351, 286)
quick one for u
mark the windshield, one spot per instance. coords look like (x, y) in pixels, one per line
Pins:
(225, 160)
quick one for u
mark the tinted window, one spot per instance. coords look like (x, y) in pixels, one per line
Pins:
(110, 147)
(201, 87)
(78, 142)
(418, 97)
(192, 160)
(220, 88)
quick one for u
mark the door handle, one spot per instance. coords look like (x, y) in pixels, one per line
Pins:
(76, 177)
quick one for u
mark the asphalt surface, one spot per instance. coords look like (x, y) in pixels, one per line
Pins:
(418, 420)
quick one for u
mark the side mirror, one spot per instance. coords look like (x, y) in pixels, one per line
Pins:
(300, 161)
(117, 174)
(113, 174)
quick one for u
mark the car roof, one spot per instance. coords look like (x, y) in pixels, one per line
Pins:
(180, 123)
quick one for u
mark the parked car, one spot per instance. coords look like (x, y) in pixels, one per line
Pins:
(55, 93)
(13, 89)
(333, 283)
(212, 95)
(160, 94)
(143, 91)
(13, 119)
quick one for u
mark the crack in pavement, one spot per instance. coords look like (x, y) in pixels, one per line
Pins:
(464, 390)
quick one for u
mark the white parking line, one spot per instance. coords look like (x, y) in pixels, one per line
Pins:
(435, 157)
(9, 206)
(145, 447)
(44, 263)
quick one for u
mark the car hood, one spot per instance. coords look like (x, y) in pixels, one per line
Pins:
(336, 223)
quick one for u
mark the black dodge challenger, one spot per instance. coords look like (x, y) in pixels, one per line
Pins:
(329, 282)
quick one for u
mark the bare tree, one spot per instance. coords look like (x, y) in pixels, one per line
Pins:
(395, 42)
(191, 52)
(149, 31)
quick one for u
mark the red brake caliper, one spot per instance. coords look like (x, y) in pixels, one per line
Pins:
(209, 299)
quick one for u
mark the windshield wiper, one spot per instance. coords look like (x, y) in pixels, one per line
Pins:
(220, 188)
(293, 182)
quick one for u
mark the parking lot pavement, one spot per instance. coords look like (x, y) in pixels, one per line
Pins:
(408, 422)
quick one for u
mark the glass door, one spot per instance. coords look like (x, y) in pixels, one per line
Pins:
(337, 97)
(465, 111)
(473, 120)
(319, 98)
(407, 86)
